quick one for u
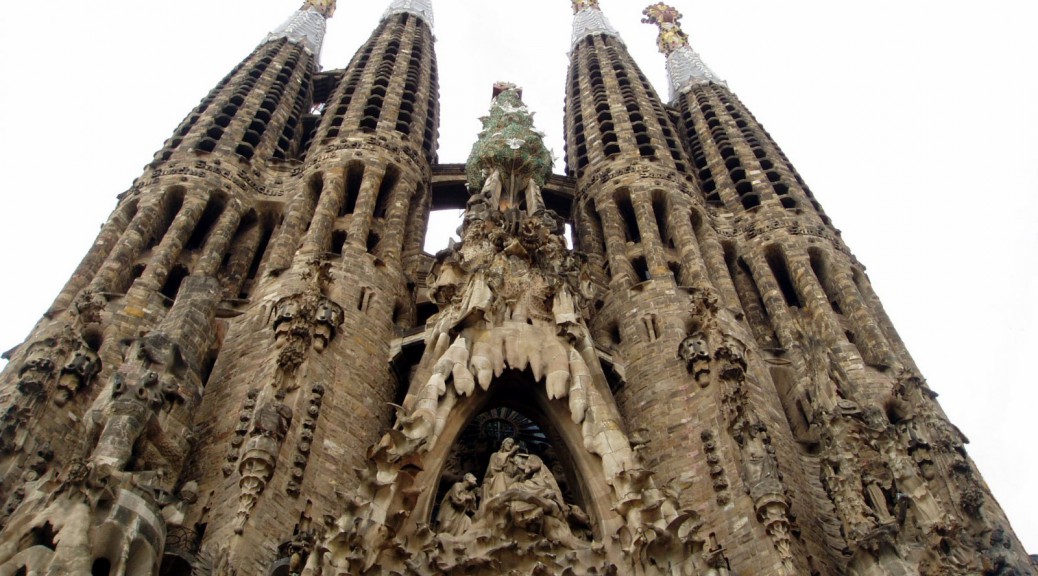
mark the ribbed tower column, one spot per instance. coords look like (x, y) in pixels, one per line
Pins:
(637, 202)
(178, 221)
(330, 297)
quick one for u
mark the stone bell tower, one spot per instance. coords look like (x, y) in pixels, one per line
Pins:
(257, 369)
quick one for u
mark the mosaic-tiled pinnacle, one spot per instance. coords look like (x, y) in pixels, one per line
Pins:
(589, 19)
(508, 144)
(685, 68)
(307, 25)
(421, 8)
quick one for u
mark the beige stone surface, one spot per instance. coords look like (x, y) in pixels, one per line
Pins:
(257, 370)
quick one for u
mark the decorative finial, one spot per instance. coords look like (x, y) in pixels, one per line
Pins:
(579, 5)
(684, 66)
(668, 19)
(326, 7)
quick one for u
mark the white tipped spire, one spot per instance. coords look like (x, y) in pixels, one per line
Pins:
(685, 68)
(589, 19)
(420, 8)
(306, 26)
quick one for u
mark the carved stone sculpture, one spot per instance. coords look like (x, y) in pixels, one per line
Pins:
(149, 379)
(81, 367)
(457, 507)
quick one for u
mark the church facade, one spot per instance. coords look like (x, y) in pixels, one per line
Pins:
(257, 370)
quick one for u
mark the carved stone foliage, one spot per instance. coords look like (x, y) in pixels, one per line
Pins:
(305, 320)
(38, 367)
(306, 440)
(57, 367)
(948, 510)
(302, 321)
(297, 550)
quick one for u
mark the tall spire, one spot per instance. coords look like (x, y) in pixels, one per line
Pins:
(588, 19)
(684, 66)
(307, 25)
(420, 8)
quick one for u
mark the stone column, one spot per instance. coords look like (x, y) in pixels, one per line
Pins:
(399, 201)
(651, 236)
(716, 266)
(871, 341)
(360, 225)
(240, 261)
(219, 240)
(172, 244)
(616, 247)
(297, 219)
(693, 267)
(102, 248)
(781, 320)
(333, 193)
(114, 273)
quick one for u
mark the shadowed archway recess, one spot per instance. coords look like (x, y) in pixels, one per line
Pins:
(514, 401)
(484, 435)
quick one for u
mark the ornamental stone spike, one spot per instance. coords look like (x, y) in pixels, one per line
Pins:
(307, 26)
(588, 20)
(420, 8)
(685, 68)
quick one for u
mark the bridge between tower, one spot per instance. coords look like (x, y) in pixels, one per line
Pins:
(450, 190)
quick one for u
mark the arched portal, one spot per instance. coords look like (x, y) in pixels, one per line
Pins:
(515, 405)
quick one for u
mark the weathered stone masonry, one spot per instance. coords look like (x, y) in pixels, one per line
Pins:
(256, 369)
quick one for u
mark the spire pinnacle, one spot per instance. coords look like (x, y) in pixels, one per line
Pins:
(307, 26)
(579, 5)
(684, 66)
(326, 7)
(588, 19)
(420, 8)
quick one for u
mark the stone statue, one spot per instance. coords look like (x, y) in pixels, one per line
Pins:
(502, 472)
(457, 505)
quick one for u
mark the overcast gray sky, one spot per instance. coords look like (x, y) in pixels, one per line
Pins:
(914, 123)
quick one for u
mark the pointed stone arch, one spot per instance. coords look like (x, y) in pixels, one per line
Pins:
(520, 391)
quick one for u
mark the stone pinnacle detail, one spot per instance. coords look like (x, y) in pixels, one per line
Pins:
(307, 26)
(685, 67)
(588, 19)
(420, 8)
